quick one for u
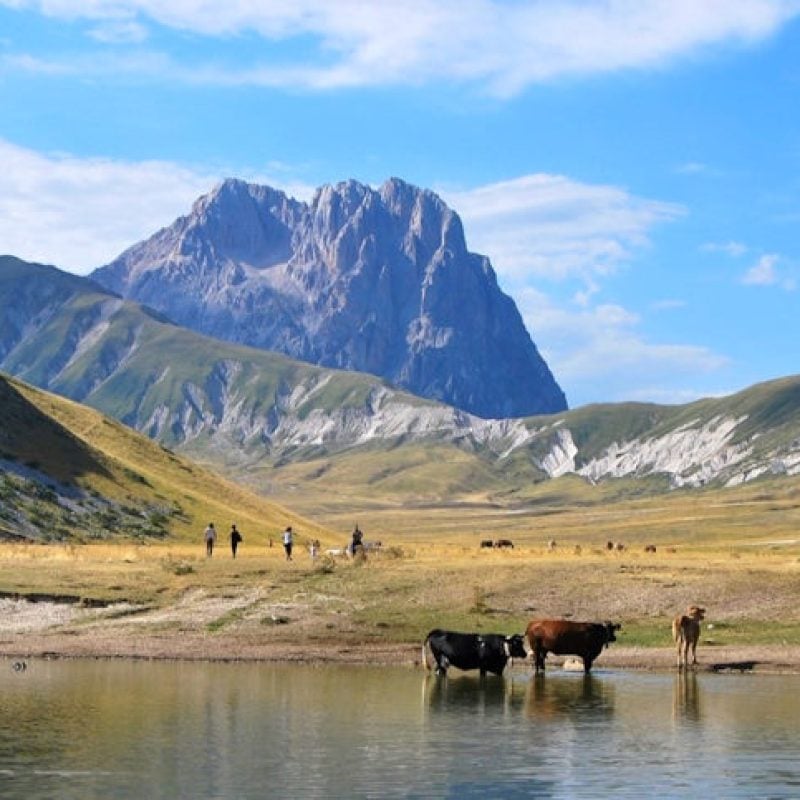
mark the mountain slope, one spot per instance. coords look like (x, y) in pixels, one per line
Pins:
(371, 281)
(287, 426)
(69, 473)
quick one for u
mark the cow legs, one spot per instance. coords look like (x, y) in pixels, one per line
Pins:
(441, 665)
(539, 654)
(587, 665)
(682, 656)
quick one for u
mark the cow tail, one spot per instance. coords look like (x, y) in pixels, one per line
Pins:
(425, 654)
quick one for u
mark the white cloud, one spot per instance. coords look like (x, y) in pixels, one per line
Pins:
(732, 248)
(551, 227)
(501, 46)
(601, 352)
(79, 213)
(765, 272)
(119, 32)
(692, 168)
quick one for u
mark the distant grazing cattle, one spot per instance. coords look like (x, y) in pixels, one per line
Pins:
(686, 633)
(609, 545)
(487, 652)
(551, 545)
(578, 549)
(504, 543)
(650, 548)
(566, 638)
(372, 547)
(487, 543)
(619, 546)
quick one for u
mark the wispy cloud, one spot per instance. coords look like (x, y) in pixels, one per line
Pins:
(550, 227)
(733, 249)
(78, 213)
(500, 46)
(601, 352)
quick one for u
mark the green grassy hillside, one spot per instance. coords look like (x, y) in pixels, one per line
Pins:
(69, 473)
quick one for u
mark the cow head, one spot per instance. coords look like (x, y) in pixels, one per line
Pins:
(611, 627)
(696, 613)
(515, 646)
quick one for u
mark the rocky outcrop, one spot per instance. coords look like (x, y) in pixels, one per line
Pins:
(376, 281)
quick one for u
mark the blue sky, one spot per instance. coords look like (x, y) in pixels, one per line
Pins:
(631, 167)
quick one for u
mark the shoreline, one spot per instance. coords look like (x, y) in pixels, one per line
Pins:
(740, 659)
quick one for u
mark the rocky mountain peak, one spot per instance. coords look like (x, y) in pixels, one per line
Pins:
(372, 280)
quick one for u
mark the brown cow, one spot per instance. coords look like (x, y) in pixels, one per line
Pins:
(564, 637)
(686, 633)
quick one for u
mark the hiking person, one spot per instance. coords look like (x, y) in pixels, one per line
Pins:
(236, 537)
(210, 537)
(287, 542)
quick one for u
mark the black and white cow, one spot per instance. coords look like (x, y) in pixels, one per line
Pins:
(487, 652)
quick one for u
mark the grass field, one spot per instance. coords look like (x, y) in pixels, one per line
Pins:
(736, 552)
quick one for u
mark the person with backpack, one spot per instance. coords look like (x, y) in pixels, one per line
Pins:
(236, 537)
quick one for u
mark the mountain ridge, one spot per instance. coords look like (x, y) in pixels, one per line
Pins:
(369, 280)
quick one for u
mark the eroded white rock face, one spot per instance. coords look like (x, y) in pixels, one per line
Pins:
(692, 454)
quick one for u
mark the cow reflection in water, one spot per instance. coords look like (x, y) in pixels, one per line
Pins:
(686, 697)
(471, 693)
(568, 696)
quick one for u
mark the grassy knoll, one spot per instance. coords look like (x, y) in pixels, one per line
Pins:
(120, 483)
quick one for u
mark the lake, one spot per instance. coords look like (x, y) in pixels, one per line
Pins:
(107, 729)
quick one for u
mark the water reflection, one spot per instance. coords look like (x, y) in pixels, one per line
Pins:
(553, 697)
(471, 693)
(132, 730)
(686, 697)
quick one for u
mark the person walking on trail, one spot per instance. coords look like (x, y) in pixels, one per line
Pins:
(236, 537)
(287, 542)
(210, 537)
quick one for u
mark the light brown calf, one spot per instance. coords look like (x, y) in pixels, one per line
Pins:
(686, 633)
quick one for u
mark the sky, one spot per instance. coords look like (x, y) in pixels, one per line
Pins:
(630, 167)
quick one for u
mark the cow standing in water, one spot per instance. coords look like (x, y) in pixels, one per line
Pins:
(487, 652)
(566, 638)
(686, 633)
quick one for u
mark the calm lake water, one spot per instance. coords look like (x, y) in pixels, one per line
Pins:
(106, 729)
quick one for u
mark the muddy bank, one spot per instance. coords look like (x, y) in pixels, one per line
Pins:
(209, 647)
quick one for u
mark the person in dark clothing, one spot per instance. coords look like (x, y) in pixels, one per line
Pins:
(236, 537)
(358, 540)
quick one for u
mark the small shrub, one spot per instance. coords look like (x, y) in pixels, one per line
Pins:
(326, 565)
(176, 567)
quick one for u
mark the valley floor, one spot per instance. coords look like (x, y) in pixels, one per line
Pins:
(162, 601)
